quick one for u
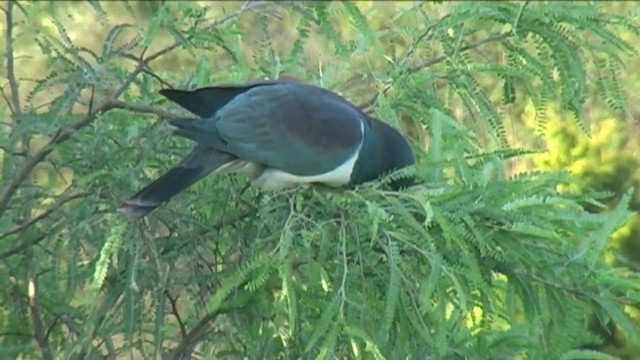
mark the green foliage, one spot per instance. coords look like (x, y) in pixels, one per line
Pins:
(604, 161)
(474, 264)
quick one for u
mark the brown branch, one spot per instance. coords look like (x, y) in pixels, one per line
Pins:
(32, 221)
(176, 313)
(36, 319)
(12, 152)
(51, 326)
(15, 334)
(247, 6)
(24, 246)
(435, 61)
(145, 109)
(191, 339)
(61, 136)
(64, 134)
(222, 223)
(193, 336)
(426, 34)
(439, 59)
(157, 77)
(11, 74)
(7, 101)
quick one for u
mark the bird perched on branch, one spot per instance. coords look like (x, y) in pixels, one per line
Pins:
(280, 134)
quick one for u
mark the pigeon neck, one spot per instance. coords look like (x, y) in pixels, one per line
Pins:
(383, 151)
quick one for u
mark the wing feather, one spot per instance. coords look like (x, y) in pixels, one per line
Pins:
(299, 129)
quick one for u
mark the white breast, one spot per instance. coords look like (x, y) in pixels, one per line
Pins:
(274, 179)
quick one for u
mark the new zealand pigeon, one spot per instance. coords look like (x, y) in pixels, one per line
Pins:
(280, 134)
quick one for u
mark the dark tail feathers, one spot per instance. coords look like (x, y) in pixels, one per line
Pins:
(161, 190)
(197, 165)
(202, 131)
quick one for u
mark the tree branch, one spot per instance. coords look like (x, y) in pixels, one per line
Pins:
(247, 6)
(32, 221)
(36, 318)
(11, 74)
(23, 246)
(222, 223)
(477, 44)
(64, 134)
(15, 334)
(145, 109)
(61, 136)
(191, 339)
(176, 313)
(437, 60)
(193, 336)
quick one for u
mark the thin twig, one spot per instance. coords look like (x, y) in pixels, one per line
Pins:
(36, 316)
(176, 313)
(248, 5)
(145, 109)
(16, 109)
(437, 60)
(61, 136)
(19, 248)
(157, 77)
(222, 223)
(65, 134)
(425, 35)
(193, 336)
(11, 75)
(7, 101)
(15, 334)
(52, 326)
(45, 214)
(516, 22)
(191, 339)
(201, 329)
(342, 292)
(12, 152)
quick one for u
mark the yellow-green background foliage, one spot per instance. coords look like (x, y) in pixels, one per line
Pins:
(605, 158)
(605, 154)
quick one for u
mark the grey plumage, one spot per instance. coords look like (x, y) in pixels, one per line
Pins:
(280, 134)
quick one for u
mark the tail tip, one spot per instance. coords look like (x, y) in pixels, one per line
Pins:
(135, 211)
(168, 127)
